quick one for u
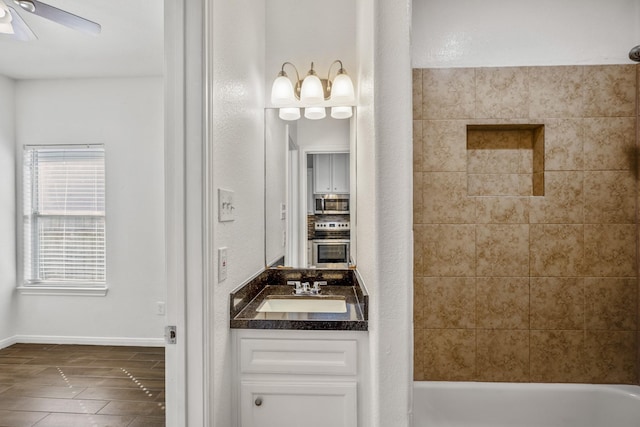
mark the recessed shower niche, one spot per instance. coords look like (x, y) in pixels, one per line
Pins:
(505, 160)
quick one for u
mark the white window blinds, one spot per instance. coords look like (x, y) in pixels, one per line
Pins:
(64, 215)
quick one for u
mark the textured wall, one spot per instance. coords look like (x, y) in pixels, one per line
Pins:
(511, 286)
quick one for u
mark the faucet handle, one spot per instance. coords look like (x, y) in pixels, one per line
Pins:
(316, 286)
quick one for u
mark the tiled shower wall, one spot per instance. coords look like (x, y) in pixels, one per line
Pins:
(512, 286)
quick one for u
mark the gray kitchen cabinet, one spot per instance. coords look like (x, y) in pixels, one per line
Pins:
(331, 173)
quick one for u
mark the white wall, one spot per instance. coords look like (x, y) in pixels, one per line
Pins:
(385, 255)
(7, 212)
(302, 32)
(237, 141)
(126, 115)
(491, 33)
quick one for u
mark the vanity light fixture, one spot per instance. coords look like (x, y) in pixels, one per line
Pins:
(311, 91)
(5, 19)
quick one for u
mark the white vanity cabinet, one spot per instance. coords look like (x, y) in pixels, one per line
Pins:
(298, 378)
(331, 173)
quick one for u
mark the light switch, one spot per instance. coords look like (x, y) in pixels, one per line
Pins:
(222, 264)
(226, 207)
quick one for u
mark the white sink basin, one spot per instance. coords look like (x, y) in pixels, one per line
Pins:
(295, 304)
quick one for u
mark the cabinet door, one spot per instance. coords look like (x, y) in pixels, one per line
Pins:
(271, 404)
(340, 173)
(322, 173)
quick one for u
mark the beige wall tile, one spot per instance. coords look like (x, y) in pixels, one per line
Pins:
(449, 250)
(449, 302)
(556, 92)
(494, 185)
(558, 356)
(563, 144)
(503, 355)
(557, 303)
(611, 303)
(445, 199)
(609, 143)
(418, 146)
(563, 199)
(610, 90)
(502, 210)
(556, 250)
(419, 243)
(418, 197)
(502, 92)
(419, 302)
(502, 250)
(502, 302)
(448, 93)
(570, 283)
(444, 146)
(419, 349)
(417, 93)
(611, 357)
(610, 250)
(450, 354)
(609, 197)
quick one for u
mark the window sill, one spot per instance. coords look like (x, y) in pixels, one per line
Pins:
(64, 290)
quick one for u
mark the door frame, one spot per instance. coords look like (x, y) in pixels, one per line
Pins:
(186, 382)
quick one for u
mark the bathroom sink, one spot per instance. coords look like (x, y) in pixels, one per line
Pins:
(303, 304)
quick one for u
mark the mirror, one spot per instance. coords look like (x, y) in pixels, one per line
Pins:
(309, 194)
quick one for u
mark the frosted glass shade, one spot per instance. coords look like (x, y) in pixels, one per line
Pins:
(311, 92)
(282, 91)
(315, 113)
(341, 112)
(5, 19)
(289, 113)
(342, 90)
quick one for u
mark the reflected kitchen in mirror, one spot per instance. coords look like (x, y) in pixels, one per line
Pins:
(309, 192)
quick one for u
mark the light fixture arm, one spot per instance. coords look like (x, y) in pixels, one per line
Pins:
(298, 85)
(341, 70)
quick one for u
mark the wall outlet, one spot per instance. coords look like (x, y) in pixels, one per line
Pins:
(226, 207)
(222, 264)
(161, 308)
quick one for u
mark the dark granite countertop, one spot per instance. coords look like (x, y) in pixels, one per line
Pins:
(245, 301)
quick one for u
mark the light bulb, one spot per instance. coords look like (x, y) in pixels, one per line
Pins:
(292, 113)
(342, 89)
(341, 112)
(315, 113)
(282, 91)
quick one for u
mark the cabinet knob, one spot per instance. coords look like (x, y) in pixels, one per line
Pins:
(258, 401)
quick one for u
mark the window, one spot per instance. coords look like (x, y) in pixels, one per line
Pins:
(64, 217)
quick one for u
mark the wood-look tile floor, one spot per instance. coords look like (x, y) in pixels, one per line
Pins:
(50, 385)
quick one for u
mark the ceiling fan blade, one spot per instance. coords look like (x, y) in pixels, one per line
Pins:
(60, 16)
(21, 30)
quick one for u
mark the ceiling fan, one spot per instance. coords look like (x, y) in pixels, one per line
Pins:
(12, 24)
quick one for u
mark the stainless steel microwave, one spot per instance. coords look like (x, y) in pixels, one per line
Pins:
(331, 205)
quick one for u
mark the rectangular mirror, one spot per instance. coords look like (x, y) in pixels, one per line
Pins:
(309, 193)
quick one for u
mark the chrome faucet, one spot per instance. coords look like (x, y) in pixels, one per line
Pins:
(304, 288)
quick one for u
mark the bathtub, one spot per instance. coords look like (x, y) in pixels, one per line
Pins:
(468, 404)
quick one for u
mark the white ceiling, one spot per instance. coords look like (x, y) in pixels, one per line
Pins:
(131, 42)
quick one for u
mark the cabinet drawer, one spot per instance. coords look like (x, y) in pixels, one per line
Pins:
(298, 404)
(300, 356)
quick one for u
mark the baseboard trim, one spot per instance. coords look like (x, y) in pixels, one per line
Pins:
(49, 339)
(6, 342)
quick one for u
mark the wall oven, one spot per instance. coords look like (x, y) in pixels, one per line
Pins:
(330, 253)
